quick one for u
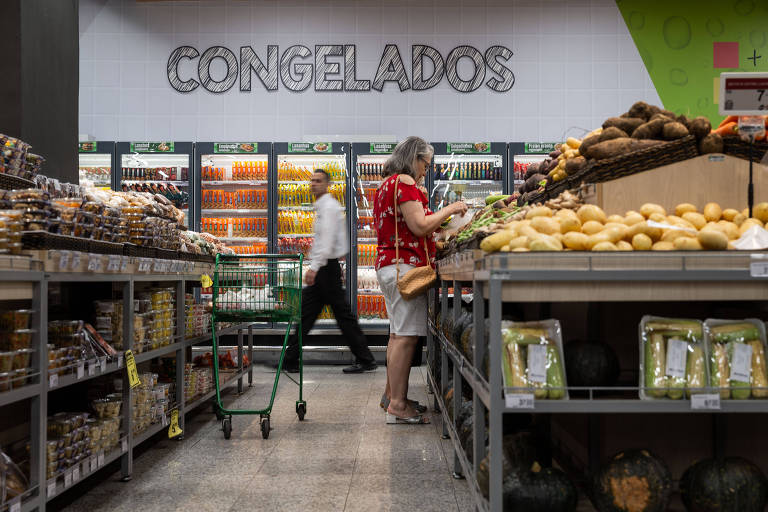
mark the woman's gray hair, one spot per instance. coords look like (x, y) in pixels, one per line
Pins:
(404, 156)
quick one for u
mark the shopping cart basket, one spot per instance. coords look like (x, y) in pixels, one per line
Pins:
(257, 288)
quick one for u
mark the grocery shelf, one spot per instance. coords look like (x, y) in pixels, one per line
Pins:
(176, 183)
(246, 239)
(301, 208)
(17, 395)
(368, 240)
(304, 182)
(469, 182)
(189, 406)
(232, 211)
(233, 182)
(160, 352)
(71, 379)
(467, 370)
(294, 235)
(54, 487)
(367, 291)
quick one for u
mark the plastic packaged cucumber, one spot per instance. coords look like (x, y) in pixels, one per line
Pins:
(532, 359)
(737, 350)
(672, 358)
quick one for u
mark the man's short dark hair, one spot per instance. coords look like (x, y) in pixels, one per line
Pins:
(324, 173)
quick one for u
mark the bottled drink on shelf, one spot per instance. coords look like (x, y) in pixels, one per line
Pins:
(370, 307)
(366, 255)
(249, 249)
(294, 245)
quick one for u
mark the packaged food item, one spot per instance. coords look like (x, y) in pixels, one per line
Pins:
(672, 358)
(532, 359)
(15, 319)
(16, 483)
(16, 340)
(5, 381)
(21, 358)
(29, 193)
(737, 352)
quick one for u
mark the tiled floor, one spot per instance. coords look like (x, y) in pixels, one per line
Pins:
(343, 457)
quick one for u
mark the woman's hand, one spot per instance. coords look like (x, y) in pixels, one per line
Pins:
(458, 208)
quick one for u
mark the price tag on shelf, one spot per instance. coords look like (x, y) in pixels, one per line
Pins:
(124, 445)
(94, 263)
(101, 459)
(92, 367)
(68, 478)
(706, 401)
(103, 364)
(124, 263)
(158, 266)
(80, 370)
(51, 488)
(64, 261)
(133, 373)
(15, 505)
(174, 430)
(758, 269)
(676, 356)
(519, 401)
(164, 419)
(53, 380)
(76, 473)
(144, 264)
(537, 363)
(75, 258)
(120, 360)
(113, 265)
(741, 364)
(93, 462)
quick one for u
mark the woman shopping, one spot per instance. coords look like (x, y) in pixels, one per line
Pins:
(405, 226)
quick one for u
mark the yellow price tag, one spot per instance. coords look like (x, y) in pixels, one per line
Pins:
(206, 281)
(173, 428)
(133, 372)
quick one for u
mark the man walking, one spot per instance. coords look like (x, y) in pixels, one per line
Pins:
(324, 281)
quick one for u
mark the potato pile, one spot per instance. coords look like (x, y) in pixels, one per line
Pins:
(588, 228)
(564, 161)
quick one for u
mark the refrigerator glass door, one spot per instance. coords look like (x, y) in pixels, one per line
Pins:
(469, 178)
(165, 174)
(95, 169)
(520, 167)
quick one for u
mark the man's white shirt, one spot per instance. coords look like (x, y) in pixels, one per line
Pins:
(330, 233)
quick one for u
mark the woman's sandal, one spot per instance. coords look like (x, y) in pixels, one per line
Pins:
(419, 419)
(421, 409)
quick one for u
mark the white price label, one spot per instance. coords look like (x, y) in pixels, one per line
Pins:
(125, 445)
(67, 478)
(92, 367)
(537, 363)
(94, 463)
(75, 261)
(158, 266)
(101, 459)
(103, 364)
(80, 370)
(64, 261)
(51, 488)
(144, 264)
(517, 401)
(741, 363)
(76, 473)
(15, 505)
(124, 263)
(113, 265)
(165, 420)
(758, 269)
(53, 380)
(120, 360)
(677, 350)
(94, 263)
(706, 401)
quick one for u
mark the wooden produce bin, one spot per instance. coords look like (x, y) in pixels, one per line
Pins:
(707, 178)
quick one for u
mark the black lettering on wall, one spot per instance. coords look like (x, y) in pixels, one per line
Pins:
(391, 69)
(351, 83)
(419, 51)
(204, 69)
(492, 56)
(182, 52)
(323, 67)
(249, 62)
(304, 71)
(451, 68)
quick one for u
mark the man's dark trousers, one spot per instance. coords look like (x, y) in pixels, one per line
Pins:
(327, 290)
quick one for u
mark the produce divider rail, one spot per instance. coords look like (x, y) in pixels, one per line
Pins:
(24, 278)
(573, 277)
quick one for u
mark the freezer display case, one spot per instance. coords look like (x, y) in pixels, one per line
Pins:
(232, 181)
(96, 162)
(368, 161)
(521, 156)
(159, 168)
(295, 163)
(467, 171)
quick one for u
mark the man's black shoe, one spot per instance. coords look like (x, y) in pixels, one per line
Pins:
(360, 368)
(288, 367)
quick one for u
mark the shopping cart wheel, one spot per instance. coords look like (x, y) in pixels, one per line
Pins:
(265, 427)
(301, 410)
(226, 426)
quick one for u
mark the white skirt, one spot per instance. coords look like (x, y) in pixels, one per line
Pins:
(406, 317)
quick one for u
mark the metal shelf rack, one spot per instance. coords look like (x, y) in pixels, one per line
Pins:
(573, 277)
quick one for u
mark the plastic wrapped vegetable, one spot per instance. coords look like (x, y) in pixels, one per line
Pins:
(672, 358)
(532, 355)
(737, 351)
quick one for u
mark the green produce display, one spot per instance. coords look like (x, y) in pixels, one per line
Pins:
(732, 484)
(527, 367)
(590, 364)
(737, 358)
(633, 481)
(539, 490)
(672, 358)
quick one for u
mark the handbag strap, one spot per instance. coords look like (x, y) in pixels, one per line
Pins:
(397, 238)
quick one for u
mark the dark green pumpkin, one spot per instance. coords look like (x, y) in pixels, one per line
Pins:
(539, 490)
(447, 323)
(590, 364)
(732, 484)
(520, 449)
(483, 473)
(633, 481)
(466, 341)
(465, 318)
(465, 411)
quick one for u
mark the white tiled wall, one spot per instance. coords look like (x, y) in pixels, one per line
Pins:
(574, 64)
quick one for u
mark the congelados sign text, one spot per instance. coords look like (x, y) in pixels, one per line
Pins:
(297, 70)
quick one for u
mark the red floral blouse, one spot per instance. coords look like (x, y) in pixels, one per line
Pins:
(411, 247)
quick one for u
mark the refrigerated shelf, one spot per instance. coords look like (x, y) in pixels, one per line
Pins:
(234, 182)
(237, 211)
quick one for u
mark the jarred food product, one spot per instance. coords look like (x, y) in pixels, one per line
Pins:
(15, 319)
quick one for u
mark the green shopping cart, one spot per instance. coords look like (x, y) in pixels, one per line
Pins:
(257, 288)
